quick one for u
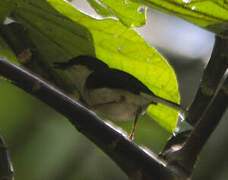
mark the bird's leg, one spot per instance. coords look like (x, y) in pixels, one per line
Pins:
(138, 113)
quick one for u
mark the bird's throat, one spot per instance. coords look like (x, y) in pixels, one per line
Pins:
(78, 75)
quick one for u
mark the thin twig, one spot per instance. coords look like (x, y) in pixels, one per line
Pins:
(186, 157)
(6, 168)
(135, 162)
(212, 76)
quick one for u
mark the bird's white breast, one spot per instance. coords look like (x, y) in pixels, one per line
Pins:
(115, 104)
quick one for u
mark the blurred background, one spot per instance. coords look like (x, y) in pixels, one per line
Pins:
(44, 145)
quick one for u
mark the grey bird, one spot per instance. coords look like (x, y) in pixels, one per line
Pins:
(111, 93)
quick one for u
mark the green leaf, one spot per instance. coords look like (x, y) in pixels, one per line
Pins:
(5, 9)
(123, 49)
(58, 39)
(55, 37)
(209, 14)
(6, 52)
(100, 8)
(130, 13)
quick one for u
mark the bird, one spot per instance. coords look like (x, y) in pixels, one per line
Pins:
(111, 93)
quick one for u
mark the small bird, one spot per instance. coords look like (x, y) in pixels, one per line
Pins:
(111, 93)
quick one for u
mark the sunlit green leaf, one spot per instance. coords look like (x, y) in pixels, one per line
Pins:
(57, 39)
(210, 14)
(128, 12)
(100, 8)
(122, 48)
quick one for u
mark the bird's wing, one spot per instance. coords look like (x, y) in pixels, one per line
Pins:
(116, 79)
(103, 76)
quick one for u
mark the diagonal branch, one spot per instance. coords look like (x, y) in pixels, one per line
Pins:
(135, 162)
(212, 76)
(6, 168)
(186, 157)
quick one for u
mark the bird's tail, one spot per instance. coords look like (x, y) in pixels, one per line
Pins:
(156, 99)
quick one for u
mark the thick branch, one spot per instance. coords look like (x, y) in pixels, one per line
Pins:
(129, 157)
(187, 156)
(6, 168)
(212, 76)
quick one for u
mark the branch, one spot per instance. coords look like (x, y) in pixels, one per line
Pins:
(135, 162)
(186, 157)
(212, 76)
(6, 168)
